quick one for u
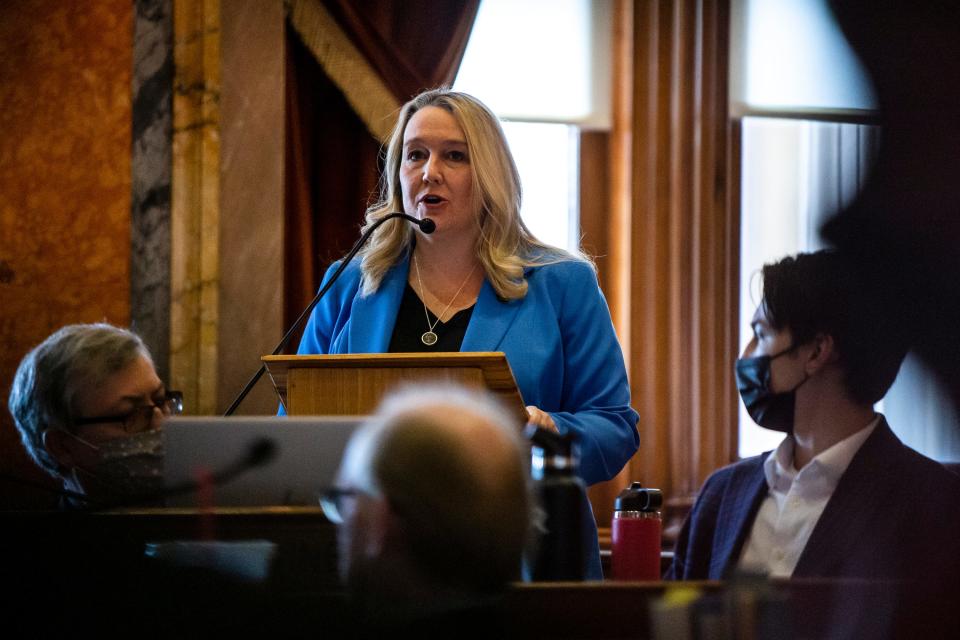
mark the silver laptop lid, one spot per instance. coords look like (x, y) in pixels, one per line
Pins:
(306, 455)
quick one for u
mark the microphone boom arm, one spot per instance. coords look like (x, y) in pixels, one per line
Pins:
(426, 226)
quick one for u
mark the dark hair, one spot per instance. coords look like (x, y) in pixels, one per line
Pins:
(822, 293)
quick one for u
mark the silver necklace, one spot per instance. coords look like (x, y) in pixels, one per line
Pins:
(429, 338)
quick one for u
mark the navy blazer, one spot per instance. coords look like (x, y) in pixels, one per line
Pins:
(894, 514)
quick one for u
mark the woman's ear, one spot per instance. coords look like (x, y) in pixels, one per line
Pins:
(69, 451)
(60, 447)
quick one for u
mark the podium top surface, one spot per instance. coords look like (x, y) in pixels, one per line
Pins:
(492, 359)
(491, 367)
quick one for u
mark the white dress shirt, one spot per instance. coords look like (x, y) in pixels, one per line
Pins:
(794, 503)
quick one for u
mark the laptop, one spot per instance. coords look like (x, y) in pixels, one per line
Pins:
(306, 453)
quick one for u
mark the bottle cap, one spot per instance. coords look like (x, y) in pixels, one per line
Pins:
(636, 498)
(551, 453)
(551, 443)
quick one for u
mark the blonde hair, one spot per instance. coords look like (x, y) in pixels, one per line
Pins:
(505, 245)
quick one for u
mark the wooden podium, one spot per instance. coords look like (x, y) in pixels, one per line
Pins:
(353, 384)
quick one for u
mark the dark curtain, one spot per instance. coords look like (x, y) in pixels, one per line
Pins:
(412, 44)
(331, 157)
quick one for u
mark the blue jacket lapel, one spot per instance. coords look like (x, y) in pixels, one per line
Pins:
(490, 321)
(373, 317)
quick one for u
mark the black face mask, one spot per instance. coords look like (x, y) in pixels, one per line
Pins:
(768, 409)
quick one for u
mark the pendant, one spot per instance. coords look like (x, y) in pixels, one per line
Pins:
(429, 338)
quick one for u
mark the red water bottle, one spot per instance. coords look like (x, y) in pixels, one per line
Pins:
(635, 553)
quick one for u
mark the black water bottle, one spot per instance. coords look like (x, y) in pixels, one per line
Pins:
(560, 554)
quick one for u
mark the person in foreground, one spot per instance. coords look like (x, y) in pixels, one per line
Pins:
(433, 502)
(482, 282)
(841, 497)
(88, 404)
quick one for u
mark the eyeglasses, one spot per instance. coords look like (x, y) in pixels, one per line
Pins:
(333, 503)
(141, 418)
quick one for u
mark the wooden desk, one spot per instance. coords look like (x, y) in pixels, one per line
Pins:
(583, 610)
(78, 553)
(766, 609)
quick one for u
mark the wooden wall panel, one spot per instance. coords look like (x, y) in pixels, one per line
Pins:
(195, 204)
(251, 198)
(674, 240)
(227, 213)
(594, 204)
(65, 73)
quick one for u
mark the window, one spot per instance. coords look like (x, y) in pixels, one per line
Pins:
(547, 156)
(794, 175)
(790, 56)
(797, 172)
(545, 84)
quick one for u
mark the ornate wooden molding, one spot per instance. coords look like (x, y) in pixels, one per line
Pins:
(345, 65)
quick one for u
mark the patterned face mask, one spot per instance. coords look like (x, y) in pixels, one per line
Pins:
(131, 466)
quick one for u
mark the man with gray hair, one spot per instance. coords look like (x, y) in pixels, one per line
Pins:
(88, 404)
(434, 504)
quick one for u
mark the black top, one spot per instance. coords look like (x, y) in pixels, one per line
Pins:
(412, 324)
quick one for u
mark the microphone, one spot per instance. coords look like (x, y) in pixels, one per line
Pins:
(426, 225)
(260, 453)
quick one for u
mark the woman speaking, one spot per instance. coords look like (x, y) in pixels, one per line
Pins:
(481, 282)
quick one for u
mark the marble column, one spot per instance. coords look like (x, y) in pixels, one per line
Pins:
(251, 197)
(152, 144)
(207, 213)
(195, 204)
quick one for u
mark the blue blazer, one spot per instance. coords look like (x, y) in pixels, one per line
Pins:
(895, 514)
(558, 339)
